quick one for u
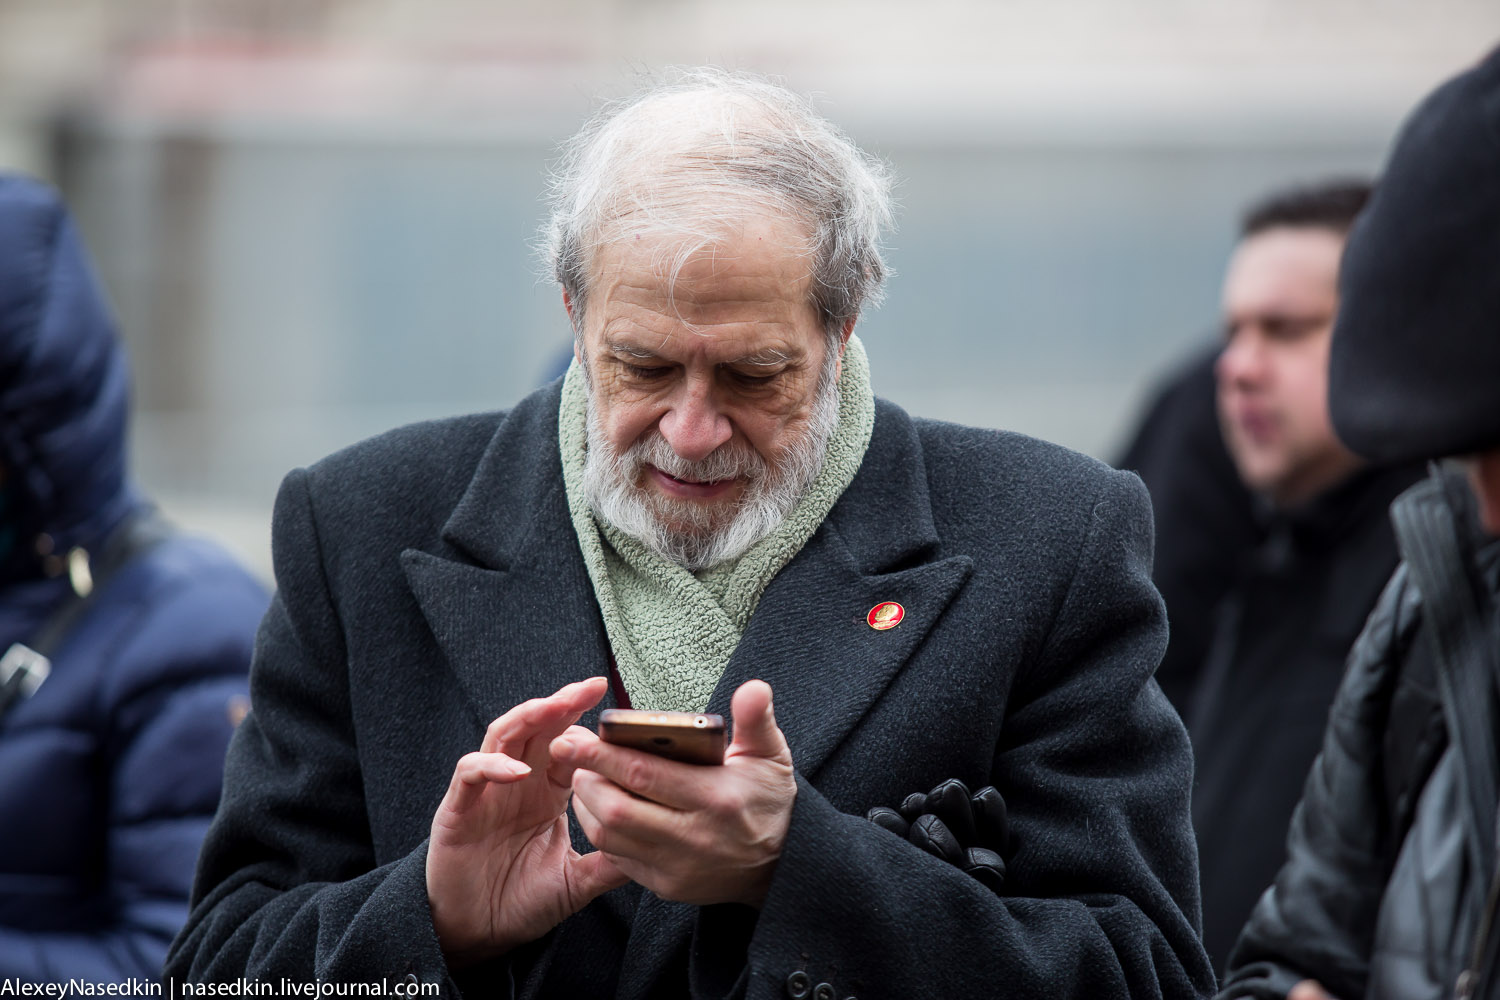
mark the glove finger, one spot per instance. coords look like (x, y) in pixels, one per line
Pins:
(929, 833)
(991, 819)
(986, 866)
(889, 819)
(950, 803)
(913, 806)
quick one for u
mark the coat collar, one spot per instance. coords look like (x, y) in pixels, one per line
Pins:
(515, 503)
(512, 607)
(886, 508)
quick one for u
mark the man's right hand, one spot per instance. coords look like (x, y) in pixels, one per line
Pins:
(501, 870)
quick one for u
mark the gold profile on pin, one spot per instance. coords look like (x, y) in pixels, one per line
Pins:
(886, 614)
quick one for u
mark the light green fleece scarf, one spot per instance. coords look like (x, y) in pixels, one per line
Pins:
(672, 632)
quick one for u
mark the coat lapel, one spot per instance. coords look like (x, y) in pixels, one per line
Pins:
(811, 641)
(508, 598)
(810, 637)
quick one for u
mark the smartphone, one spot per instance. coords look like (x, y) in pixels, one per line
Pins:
(684, 736)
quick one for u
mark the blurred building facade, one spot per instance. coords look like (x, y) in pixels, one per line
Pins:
(315, 216)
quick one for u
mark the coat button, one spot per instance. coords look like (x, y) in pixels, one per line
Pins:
(798, 986)
(823, 991)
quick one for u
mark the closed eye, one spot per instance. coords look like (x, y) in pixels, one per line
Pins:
(645, 371)
(745, 378)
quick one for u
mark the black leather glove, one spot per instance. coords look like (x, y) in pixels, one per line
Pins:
(971, 832)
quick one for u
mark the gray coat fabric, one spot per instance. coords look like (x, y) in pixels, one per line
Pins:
(430, 579)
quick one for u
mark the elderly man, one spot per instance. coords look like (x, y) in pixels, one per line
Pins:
(710, 507)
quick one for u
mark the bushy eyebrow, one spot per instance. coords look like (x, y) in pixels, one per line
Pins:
(632, 351)
(767, 358)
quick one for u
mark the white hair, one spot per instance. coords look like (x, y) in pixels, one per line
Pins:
(691, 157)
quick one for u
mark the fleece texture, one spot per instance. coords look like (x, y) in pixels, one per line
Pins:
(672, 631)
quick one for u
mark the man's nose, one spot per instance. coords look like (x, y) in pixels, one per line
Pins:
(1241, 362)
(694, 426)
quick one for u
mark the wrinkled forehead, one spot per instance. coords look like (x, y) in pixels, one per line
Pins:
(698, 256)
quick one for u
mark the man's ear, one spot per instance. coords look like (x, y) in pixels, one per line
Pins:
(843, 343)
(573, 322)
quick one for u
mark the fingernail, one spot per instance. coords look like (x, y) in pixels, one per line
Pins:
(563, 747)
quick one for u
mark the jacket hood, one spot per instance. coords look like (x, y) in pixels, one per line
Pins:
(1414, 370)
(64, 387)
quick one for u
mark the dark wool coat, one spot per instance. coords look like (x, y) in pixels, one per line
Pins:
(431, 579)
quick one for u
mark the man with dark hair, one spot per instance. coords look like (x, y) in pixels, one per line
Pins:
(1206, 517)
(1332, 205)
(1389, 887)
(1299, 597)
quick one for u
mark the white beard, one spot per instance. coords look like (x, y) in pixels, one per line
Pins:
(698, 535)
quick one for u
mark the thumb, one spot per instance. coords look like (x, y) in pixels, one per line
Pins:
(591, 875)
(755, 731)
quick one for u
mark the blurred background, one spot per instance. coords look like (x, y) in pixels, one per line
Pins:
(314, 217)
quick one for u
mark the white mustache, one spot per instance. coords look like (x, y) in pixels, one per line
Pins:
(731, 460)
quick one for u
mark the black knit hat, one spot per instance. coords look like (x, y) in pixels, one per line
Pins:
(1415, 369)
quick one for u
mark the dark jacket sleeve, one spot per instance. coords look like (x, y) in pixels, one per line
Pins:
(175, 667)
(1318, 920)
(287, 885)
(1102, 900)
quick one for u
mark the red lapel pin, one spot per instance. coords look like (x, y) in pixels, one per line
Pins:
(886, 614)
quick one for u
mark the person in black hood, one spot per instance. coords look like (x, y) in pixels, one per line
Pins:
(125, 644)
(1389, 889)
(1300, 595)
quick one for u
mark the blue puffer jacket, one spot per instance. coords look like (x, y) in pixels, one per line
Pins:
(110, 771)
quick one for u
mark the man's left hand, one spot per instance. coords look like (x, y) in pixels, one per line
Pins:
(691, 833)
